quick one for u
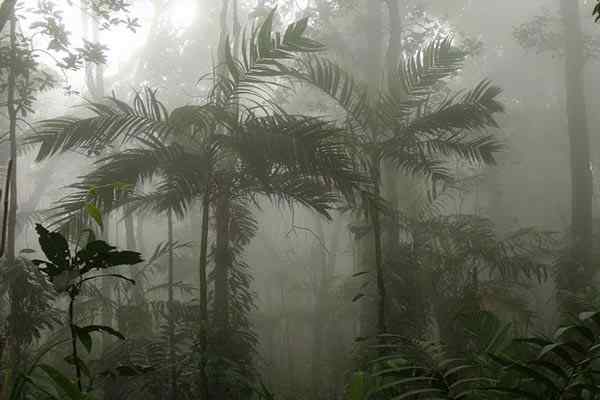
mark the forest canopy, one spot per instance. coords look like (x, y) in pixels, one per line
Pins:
(307, 199)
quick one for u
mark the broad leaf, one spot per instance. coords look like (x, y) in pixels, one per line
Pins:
(55, 247)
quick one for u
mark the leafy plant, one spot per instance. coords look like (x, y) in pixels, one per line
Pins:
(68, 270)
(411, 124)
(557, 368)
(562, 367)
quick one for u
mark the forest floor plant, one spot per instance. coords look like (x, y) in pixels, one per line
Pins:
(68, 270)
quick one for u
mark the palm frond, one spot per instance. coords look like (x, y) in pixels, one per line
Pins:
(562, 367)
(112, 122)
(261, 60)
(452, 129)
(435, 377)
(423, 71)
(293, 145)
(340, 85)
(174, 171)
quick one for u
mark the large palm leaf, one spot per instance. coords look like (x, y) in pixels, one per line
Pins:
(112, 121)
(402, 122)
(261, 62)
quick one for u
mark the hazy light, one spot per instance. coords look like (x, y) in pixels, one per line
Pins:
(182, 14)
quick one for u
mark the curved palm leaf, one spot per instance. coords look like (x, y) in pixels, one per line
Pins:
(111, 122)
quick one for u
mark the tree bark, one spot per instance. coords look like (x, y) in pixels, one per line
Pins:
(319, 317)
(171, 322)
(14, 301)
(131, 243)
(203, 379)
(222, 265)
(579, 140)
(12, 115)
(374, 35)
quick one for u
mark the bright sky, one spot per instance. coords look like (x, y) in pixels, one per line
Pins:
(121, 42)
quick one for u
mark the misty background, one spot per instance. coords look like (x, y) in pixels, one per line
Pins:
(321, 199)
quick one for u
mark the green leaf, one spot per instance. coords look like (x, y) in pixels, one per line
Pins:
(55, 247)
(104, 329)
(84, 337)
(358, 387)
(70, 359)
(358, 297)
(124, 257)
(27, 251)
(100, 255)
(63, 383)
(95, 213)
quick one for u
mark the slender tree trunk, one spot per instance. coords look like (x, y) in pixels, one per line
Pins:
(139, 235)
(366, 246)
(288, 358)
(322, 316)
(106, 286)
(222, 266)
(391, 179)
(581, 175)
(319, 317)
(12, 115)
(131, 243)
(171, 305)
(203, 379)
(379, 269)
(13, 342)
(375, 70)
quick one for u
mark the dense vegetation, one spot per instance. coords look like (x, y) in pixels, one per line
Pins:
(297, 200)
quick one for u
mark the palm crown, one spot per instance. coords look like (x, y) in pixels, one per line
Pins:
(237, 136)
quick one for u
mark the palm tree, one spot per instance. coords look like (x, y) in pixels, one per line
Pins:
(410, 123)
(236, 146)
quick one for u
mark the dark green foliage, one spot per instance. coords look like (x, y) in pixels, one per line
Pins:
(409, 123)
(63, 268)
(36, 312)
(563, 367)
(451, 268)
(68, 270)
(436, 377)
(560, 367)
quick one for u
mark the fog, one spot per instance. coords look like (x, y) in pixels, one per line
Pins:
(299, 199)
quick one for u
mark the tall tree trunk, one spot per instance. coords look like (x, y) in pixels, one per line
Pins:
(106, 287)
(203, 378)
(13, 343)
(12, 115)
(322, 321)
(222, 266)
(171, 305)
(131, 243)
(375, 56)
(319, 316)
(95, 84)
(580, 274)
(139, 235)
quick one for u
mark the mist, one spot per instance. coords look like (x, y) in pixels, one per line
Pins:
(299, 199)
